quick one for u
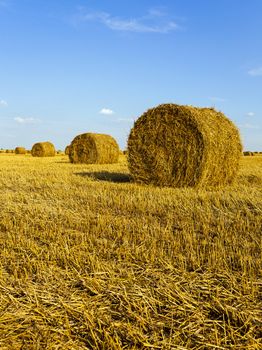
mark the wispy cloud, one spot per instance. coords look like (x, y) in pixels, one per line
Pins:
(217, 99)
(155, 21)
(249, 126)
(125, 120)
(106, 111)
(21, 120)
(250, 114)
(3, 103)
(255, 72)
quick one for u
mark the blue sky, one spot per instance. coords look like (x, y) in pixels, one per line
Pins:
(69, 67)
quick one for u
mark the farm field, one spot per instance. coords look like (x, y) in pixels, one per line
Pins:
(90, 260)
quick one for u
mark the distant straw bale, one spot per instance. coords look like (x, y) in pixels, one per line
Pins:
(43, 149)
(184, 146)
(20, 150)
(67, 150)
(248, 153)
(93, 148)
(8, 151)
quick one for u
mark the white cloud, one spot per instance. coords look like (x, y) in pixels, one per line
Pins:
(255, 72)
(128, 120)
(3, 103)
(249, 126)
(250, 114)
(217, 99)
(26, 120)
(155, 21)
(106, 111)
(157, 12)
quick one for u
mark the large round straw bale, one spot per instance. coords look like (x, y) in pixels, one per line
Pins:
(20, 150)
(181, 146)
(93, 148)
(43, 149)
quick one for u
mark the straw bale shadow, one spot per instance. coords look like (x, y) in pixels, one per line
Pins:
(106, 176)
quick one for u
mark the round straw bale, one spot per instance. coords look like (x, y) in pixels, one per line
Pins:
(43, 149)
(20, 150)
(184, 146)
(93, 148)
(67, 150)
(248, 153)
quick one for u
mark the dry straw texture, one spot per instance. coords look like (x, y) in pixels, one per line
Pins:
(20, 150)
(181, 146)
(93, 148)
(89, 264)
(43, 149)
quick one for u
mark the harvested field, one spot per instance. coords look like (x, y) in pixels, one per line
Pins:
(89, 260)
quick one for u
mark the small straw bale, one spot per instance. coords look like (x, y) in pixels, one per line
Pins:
(248, 153)
(184, 146)
(8, 151)
(43, 149)
(67, 150)
(91, 148)
(20, 150)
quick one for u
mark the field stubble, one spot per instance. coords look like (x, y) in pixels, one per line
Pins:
(92, 261)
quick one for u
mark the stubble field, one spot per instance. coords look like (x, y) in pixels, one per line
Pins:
(89, 260)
